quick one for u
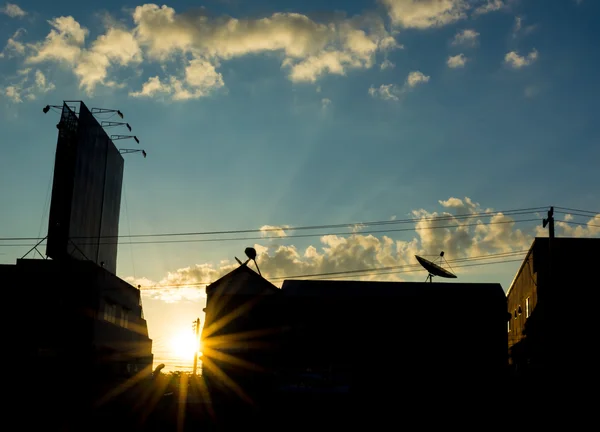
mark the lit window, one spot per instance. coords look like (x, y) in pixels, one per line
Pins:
(508, 326)
(527, 308)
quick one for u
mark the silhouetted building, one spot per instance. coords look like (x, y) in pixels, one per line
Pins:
(553, 302)
(376, 343)
(82, 320)
(404, 337)
(77, 318)
(240, 334)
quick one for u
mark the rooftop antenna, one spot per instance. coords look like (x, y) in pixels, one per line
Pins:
(435, 269)
(251, 254)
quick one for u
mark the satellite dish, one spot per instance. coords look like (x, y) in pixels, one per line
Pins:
(251, 254)
(434, 269)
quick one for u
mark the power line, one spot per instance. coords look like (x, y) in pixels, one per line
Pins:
(223, 239)
(577, 210)
(577, 214)
(578, 223)
(415, 270)
(513, 212)
(367, 271)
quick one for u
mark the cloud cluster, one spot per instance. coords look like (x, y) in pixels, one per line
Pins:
(12, 10)
(570, 228)
(394, 92)
(27, 84)
(467, 37)
(516, 61)
(13, 46)
(457, 61)
(198, 43)
(422, 14)
(448, 230)
(489, 6)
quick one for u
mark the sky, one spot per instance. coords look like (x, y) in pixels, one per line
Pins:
(268, 117)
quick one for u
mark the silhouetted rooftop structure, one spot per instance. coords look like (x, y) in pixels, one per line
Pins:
(553, 302)
(360, 339)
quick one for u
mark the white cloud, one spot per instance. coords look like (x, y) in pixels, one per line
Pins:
(13, 93)
(13, 10)
(466, 37)
(63, 43)
(308, 49)
(490, 6)
(591, 228)
(116, 46)
(41, 83)
(386, 64)
(457, 61)
(325, 103)
(389, 43)
(13, 46)
(448, 230)
(386, 92)
(415, 78)
(200, 78)
(516, 61)
(394, 92)
(152, 87)
(571, 228)
(27, 85)
(422, 14)
(274, 231)
(332, 62)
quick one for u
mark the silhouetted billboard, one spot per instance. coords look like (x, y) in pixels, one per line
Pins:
(86, 192)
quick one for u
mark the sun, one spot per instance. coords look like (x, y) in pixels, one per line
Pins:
(184, 344)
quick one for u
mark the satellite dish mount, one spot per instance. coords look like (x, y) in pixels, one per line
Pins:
(251, 254)
(435, 269)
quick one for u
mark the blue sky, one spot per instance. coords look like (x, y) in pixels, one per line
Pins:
(305, 113)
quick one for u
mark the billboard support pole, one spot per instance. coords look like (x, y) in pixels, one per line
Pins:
(35, 248)
(80, 251)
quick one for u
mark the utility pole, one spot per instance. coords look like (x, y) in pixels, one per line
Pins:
(196, 327)
(549, 221)
(547, 293)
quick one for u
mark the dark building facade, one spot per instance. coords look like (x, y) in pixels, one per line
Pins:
(374, 343)
(84, 320)
(553, 302)
(240, 336)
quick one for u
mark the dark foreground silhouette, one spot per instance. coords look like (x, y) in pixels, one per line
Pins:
(178, 402)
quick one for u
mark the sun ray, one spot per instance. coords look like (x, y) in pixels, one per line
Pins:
(226, 319)
(225, 379)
